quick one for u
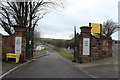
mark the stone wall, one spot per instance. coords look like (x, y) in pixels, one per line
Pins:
(100, 47)
(8, 44)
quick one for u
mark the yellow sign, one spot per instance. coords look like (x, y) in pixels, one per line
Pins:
(95, 27)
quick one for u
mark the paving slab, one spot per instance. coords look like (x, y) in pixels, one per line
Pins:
(104, 68)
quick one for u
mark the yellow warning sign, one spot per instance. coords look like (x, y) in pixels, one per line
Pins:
(95, 27)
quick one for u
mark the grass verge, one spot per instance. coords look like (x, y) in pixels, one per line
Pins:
(67, 55)
(45, 49)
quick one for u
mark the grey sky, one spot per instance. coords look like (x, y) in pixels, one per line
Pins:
(77, 13)
(119, 12)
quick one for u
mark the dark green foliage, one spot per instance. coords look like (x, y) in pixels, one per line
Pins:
(58, 42)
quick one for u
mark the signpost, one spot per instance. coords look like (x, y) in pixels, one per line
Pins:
(96, 28)
(86, 46)
(18, 45)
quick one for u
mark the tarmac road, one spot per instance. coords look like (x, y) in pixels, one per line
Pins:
(51, 66)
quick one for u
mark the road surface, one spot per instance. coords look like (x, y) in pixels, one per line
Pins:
(51, 66)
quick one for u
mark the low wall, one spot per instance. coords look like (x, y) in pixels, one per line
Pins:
(92, 46)
(7, 46)
(100, 48)
(8, 43)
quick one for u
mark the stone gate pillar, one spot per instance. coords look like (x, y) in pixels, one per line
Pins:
(20, 33)
(85, 44)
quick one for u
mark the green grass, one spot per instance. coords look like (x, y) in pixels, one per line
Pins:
(45, 49)
(67, 55)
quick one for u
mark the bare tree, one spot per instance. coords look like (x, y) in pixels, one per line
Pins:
(109, 27)
(25, 13)
(37, 38)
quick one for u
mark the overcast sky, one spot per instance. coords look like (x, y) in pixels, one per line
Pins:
(77, 13)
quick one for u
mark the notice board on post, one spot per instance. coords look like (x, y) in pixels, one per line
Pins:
(96, 27)
(18, 45)
(86, 46)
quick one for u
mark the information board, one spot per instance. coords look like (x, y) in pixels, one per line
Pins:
(18, 45)
(86, 46)
(95, 27)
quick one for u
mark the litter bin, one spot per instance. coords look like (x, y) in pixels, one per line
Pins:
(12, 55)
